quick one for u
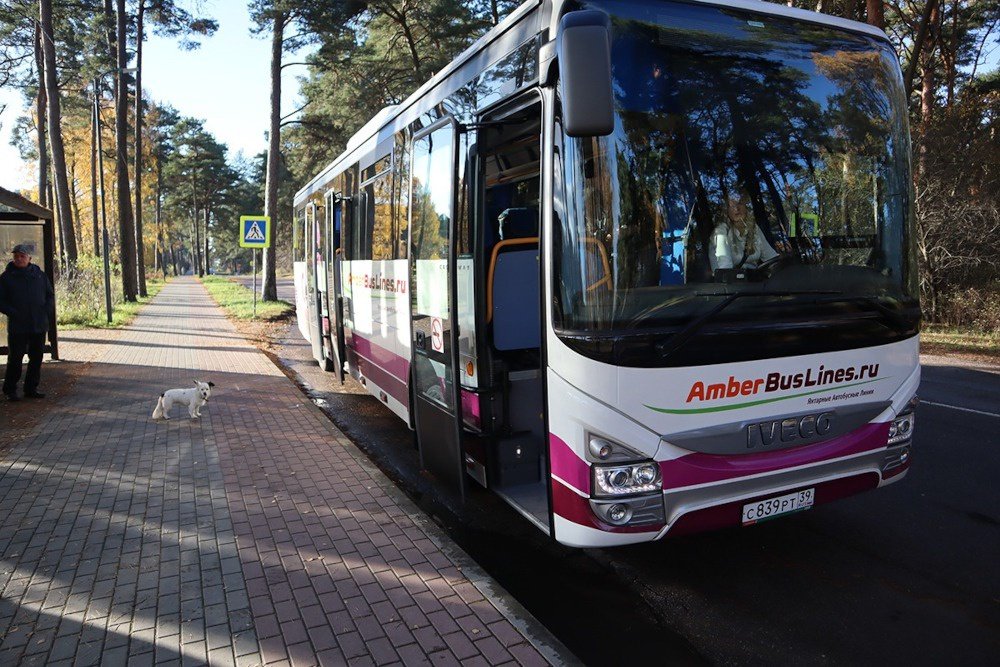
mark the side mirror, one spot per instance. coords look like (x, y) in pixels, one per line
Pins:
(584, 50)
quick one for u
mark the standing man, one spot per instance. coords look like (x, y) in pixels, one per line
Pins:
(26, 298)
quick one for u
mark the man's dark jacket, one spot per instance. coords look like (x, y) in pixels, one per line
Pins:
(26, 298)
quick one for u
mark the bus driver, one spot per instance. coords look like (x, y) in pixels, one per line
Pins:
(738, 242)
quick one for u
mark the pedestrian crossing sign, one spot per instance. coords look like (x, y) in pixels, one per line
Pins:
(255, 231)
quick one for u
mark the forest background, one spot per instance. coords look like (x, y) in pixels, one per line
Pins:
(174, 194)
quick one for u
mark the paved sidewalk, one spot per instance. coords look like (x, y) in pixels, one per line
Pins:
(256, 535)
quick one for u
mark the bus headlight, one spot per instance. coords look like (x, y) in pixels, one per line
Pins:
(623, 480)
(901, 429)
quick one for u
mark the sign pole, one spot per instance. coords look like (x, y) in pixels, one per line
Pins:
(255, 233)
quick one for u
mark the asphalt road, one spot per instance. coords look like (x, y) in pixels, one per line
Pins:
(285, 286)
(909, 574)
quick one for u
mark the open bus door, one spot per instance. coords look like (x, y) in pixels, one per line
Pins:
(334, 310)
(436, 397)
(314, 263)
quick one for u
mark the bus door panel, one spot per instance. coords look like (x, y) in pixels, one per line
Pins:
(510, 186)
(435, 390)
(312, 281)
(334, 216)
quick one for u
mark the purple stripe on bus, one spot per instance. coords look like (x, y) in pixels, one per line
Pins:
(388, 382)
(567, 466)
(377, 362)
(385, 358)
(706, 468)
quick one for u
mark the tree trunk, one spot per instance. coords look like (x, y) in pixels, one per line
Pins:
(159, 223)
(950, 55)
(55, 130)
(195, 242)
(140, 251)
(73, 199)
(918, 45)
(850, 9)
(109, 39)
(398, 16)
(269, 286)
(195, 233)
(926, 95)
(126, 225)
(208, 262)
(41, 101)
(60, 250)
(876, 13)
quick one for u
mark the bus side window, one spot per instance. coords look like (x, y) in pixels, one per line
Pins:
(511, 177)
(299, 236)
(383, 244)
(347, 214)
(363, 226)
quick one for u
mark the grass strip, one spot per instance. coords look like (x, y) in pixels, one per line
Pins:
(944, 340)
(237, 300)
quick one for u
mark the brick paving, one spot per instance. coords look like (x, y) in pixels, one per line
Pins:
(255, 535)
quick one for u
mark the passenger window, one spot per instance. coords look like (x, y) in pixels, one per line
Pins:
(299, 236)
(511, 162)
(380, 217)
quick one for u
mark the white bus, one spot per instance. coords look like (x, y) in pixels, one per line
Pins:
(641, 268)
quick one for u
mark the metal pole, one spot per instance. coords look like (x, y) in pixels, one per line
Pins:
(254, 252)
(93, 174)
(104, 219)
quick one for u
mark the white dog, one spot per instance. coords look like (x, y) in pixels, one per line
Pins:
(194, 398)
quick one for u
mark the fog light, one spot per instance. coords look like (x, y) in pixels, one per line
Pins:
(619, 514)
(904, 455)
(600, 448)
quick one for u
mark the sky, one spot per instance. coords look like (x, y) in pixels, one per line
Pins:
(225, 82)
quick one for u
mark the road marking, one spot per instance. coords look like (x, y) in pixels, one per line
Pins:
(955, 407)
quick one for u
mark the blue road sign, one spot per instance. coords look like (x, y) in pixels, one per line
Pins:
(255, 231)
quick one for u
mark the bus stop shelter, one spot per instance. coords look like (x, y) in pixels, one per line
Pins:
(24, 221)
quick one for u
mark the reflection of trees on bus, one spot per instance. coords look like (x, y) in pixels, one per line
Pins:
(430, 240)
(801, 132)
(380, 219)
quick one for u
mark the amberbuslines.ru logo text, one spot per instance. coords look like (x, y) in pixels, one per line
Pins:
(814, 377)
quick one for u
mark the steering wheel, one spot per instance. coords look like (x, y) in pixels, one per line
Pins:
(774, 263)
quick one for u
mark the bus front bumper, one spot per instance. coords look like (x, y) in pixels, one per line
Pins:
(714, 506)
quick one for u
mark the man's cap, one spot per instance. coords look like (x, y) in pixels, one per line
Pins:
(22, 248)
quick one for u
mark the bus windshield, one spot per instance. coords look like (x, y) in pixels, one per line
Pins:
(751, 153)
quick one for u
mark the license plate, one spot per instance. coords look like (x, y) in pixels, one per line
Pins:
(772, 507)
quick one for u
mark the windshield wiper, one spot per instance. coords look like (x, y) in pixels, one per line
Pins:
(681, 338)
